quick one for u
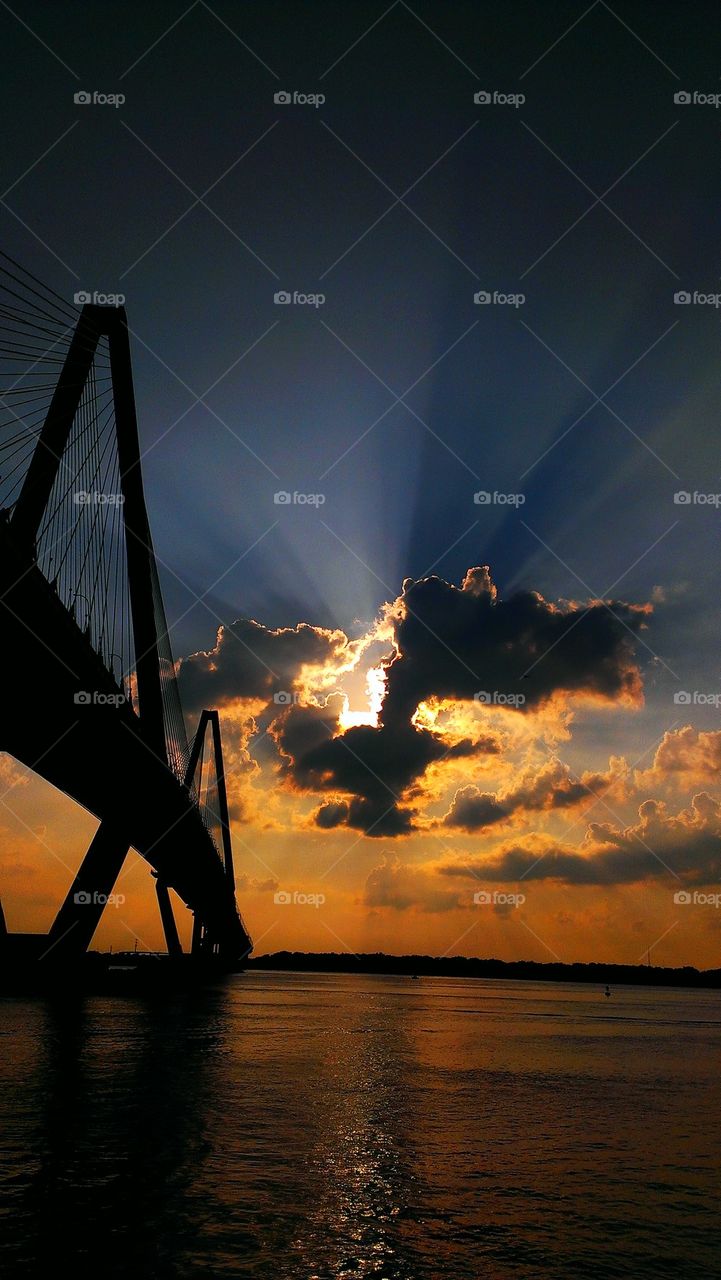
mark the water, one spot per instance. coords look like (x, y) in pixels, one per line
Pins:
(296, 1125)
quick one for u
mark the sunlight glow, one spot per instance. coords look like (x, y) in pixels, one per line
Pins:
(375, 690)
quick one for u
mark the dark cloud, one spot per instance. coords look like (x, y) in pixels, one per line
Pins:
(455, 642)
(449, 643)
(376, 816)
(551, 787)
(301, 730)
(333, 814)
(686, 845)
(472, 809)
(253, 661)
(373, 766)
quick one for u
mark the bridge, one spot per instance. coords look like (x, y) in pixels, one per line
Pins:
(90, 698)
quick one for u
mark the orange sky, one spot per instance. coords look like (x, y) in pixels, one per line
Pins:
(577, 853)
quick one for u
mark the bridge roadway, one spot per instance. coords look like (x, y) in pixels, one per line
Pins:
(96, 752)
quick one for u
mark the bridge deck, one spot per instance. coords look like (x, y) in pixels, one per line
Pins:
(96, 752)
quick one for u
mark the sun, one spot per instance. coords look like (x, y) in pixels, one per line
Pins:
(375, 691)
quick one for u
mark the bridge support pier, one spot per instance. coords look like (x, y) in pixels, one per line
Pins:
(197, 940)
(79, 916)
(170, 928)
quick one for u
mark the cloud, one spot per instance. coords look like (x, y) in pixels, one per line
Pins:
(454, 642)
(253, 661)
(333, 814)
(401, 887)
(300, 730)
(375, 816)
(12, 774)
(450, 643)
(685, 757)
(447, 643)
(659, 845)
(551, 787)
(374, 767)
(250, 884)
(472, 809)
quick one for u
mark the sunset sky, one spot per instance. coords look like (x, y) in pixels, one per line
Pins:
(480, 654)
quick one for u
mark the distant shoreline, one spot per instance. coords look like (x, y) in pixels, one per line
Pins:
(467, 967)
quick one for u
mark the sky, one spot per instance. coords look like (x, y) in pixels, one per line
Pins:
(418, 527)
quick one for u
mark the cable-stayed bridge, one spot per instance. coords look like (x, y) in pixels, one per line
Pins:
(90, 699)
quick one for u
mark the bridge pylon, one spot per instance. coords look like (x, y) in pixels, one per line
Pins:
(80, 593)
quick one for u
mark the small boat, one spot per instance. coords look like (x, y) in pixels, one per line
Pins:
(607, 992)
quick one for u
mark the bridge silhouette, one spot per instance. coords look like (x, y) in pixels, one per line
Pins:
(90, 699)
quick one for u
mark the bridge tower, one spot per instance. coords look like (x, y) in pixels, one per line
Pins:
(144, 737)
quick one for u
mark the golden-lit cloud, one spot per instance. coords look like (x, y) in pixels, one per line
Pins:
(680, 848)
(550, 788)
(438, 730)
(464, 675)
(250, 660)
(685, 757)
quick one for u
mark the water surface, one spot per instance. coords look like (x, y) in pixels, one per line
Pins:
(326, 1126)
